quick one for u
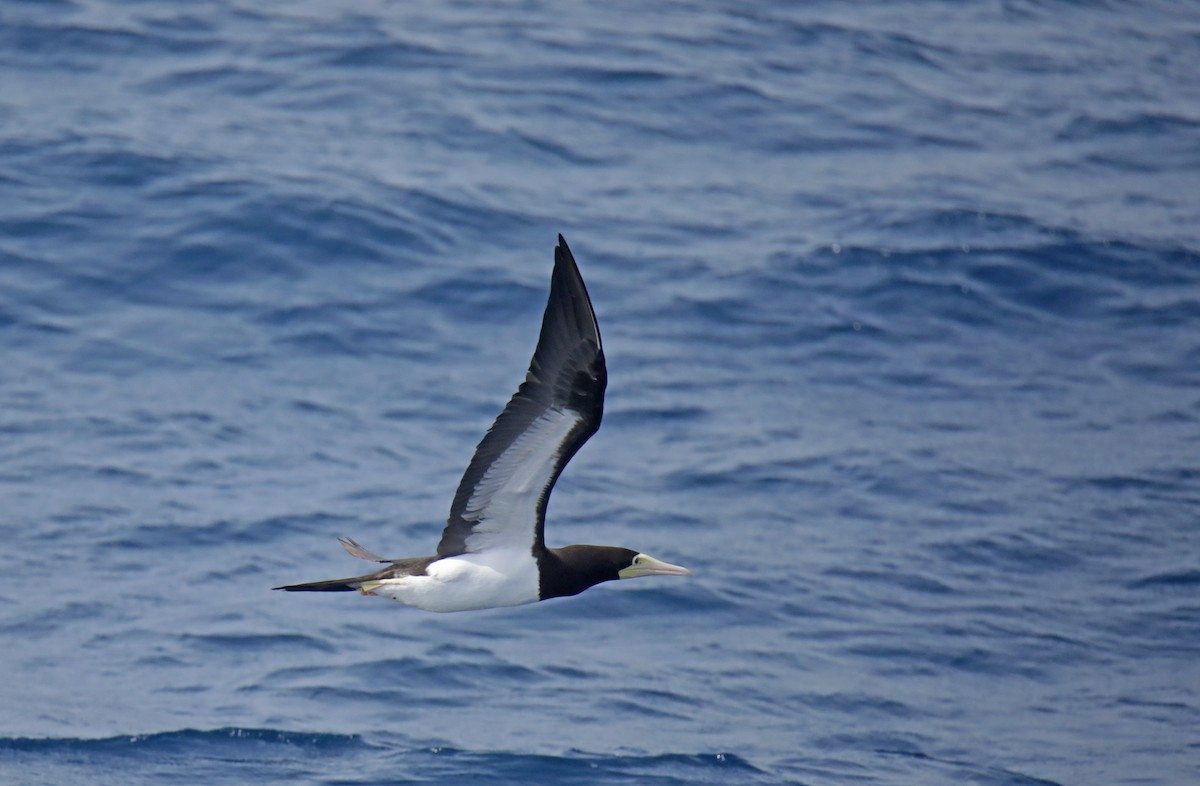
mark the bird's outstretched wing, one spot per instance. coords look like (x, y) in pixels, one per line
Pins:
(501, 499)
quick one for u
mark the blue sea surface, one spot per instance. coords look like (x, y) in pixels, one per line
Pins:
(901, 304)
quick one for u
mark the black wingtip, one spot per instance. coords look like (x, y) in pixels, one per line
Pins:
(567, 283)
(564, 260)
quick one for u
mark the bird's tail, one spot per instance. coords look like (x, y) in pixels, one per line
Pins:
(365, 583)
(333, 585)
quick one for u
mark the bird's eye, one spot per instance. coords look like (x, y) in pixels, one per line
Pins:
(637, 560)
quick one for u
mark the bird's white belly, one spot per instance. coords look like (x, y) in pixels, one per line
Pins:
(504, 577)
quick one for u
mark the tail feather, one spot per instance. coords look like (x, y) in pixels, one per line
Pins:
(355, 550)
(399, 568)
(334, 585)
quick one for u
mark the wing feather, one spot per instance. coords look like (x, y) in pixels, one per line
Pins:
(501, 499)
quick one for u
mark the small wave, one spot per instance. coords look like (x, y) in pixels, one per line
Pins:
(972, 772)
(184, 738)
(667, 769)
(350, 759)
(389, 55)
(1176, 578)
(220, 80)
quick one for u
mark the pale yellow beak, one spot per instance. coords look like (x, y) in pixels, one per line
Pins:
(644, 565)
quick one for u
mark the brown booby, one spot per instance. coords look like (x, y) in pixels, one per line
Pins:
(493, 551)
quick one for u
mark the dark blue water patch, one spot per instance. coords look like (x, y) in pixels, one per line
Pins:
(247, 241)
(455, 222)
(1161, 365)
(1165, 483)
(581, 768)
(385, 55)
(655, 416)
(105, 162)
(1018, 552)
(229, 755)
(221, 533)
(910, 582)
(29, 231)
(1167, 627)
(37, 624)
(76, 47)
(404, 682)
(661, 706)
(378, 698)
(969, 230)
(1063, 283)
(1161, 313)
(8, 320)
(315, 344)
(441, 673)
(182, 740)
(180, 20)
(1140, 126)
(969, 772)
(1181, 579)
(853, 704)
(250, 239)
(120, 357)
(51, 6)
(620, 76)
(494, 298)
(96, 514)
(254, 643)
(542, 147)
(222, 81)
(1007, 278)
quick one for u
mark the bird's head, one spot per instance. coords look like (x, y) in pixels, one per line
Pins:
(572, 569)
(645, 565)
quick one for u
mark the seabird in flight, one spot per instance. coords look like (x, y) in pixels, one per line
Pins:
(493, 551)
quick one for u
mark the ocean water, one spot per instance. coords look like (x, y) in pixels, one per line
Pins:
(901, 303)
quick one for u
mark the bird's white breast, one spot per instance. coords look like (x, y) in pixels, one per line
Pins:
(500, 577)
